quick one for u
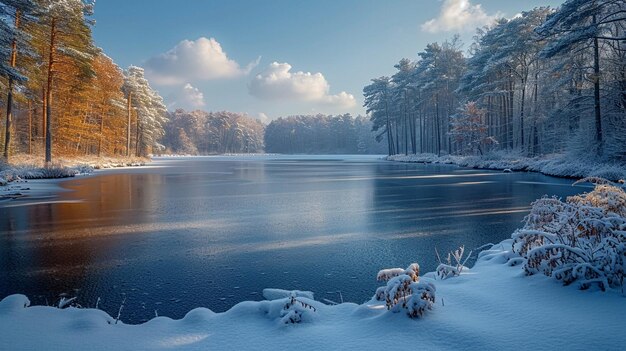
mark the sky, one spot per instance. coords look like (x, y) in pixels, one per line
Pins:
(277, 58)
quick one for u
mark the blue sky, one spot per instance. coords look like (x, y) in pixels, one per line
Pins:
(281, 57)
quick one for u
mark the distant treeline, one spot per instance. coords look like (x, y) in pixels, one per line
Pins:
(204, 133)
(322, 134)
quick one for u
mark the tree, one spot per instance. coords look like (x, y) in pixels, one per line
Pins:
(150, 111)
(377, 104)
(468, 129)
(13, 36)
(581, 25)
(69, 41)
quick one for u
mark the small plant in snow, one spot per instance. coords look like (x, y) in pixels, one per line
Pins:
(295, 311)
(580, 240)
(405, 291)
(65, 302)
(450, 268)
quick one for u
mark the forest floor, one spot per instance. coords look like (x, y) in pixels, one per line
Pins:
(492, 306)
(554, 165)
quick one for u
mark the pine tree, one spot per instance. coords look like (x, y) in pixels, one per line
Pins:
(68, 36)
(150, 110)
(583, 25)
(12, 39)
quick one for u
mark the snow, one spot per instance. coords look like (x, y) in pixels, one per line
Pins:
(492, 306)
(27, 177)
(554, 165)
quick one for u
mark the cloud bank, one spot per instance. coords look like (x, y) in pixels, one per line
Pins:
(278, 82)
(459, 15)
(191, 61)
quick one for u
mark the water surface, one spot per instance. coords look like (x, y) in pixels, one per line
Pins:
(214, 231)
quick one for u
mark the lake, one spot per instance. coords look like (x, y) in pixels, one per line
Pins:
(214, 231)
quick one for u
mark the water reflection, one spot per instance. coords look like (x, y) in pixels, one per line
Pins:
(215, 231)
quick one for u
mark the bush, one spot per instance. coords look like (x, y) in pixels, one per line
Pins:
(295, 311)
(405, 291)
(449, 268)
(580, 240)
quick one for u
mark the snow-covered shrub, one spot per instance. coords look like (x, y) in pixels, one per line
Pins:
(295, 311)
(448, 268)
(65, 302)
(405, 291)
(580, 240)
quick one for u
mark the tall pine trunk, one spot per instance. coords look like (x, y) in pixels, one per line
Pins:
(52, 48)
(30, 129)
(129, 110)
(9, 119)
(596, 92)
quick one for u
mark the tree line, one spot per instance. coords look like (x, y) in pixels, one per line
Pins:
(547, 81)
(64, 96)
(203, 133)
(321, 134)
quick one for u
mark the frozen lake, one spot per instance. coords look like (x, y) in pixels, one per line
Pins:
(214, 231)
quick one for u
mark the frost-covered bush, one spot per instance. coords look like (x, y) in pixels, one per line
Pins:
(295, 311)
(451, 268)
(580, 240)
(405, 291)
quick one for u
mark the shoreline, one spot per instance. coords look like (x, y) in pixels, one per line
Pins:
(556, 166)
(28, 182)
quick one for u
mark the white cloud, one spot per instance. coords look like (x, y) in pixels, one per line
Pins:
(277, 82)
(457, 15)
(188, 98)
(189, 60)
(263, 118)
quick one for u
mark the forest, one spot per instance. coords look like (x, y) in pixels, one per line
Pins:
(321, 134)
(203, 133)
(64, 96)
(546, 81)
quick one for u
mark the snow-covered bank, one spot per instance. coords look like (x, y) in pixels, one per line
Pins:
(492, 306)
(27, 177)
(553, 165)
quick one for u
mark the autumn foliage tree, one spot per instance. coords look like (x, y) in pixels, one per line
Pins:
(469, 130)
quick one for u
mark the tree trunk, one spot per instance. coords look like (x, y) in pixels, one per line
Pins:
(52, 48)
(101, 132)
(596, 92)
(30, 129)
(7, 135)
(437, 127)
(535, 117)
(521, 116)
(44, 104)
(129, 100)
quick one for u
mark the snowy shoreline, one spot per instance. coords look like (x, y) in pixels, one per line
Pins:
(27, 181)
(486, 307)
(553, 165)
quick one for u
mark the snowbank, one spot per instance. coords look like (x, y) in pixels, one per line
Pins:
(554, 165)
(492, 306)
(32, 167)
